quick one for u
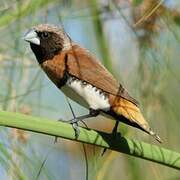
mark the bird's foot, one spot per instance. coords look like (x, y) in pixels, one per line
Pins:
(71, 121)
(115, 135)
(75, 127)
(62, 120)
(74, 123)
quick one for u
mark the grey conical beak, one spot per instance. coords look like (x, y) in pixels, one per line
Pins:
(32, 37)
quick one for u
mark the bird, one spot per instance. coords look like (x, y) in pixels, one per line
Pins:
(83, 78)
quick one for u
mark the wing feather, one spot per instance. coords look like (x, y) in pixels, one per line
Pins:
(83, 65)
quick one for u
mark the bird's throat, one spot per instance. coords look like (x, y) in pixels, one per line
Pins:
(43, 54)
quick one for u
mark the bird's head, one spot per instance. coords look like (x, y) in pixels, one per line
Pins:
(46, 41)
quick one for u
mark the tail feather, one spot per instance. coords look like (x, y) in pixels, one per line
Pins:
(152, 133)
(133, 115)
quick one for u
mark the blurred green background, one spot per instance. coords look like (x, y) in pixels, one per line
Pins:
(137, 40)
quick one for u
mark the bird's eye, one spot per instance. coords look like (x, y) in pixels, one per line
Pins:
(44, 35)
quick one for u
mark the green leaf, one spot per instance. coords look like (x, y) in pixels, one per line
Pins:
(121, 144)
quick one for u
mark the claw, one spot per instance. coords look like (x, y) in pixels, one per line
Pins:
(72, 121)
(116, 134)
(62, 120)
(103, 152)
(75, 127)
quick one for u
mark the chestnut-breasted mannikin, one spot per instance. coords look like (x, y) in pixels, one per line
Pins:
(82, 77)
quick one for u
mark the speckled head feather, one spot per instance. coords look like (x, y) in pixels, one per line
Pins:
(50, 28)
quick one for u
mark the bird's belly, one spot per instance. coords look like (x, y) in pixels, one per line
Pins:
(86, 95)
(69, 92)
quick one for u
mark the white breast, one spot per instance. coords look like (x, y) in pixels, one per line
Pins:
(86, 94)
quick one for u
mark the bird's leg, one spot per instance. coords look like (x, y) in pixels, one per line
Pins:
(74, 123)
(114, 134)
(92, 113)
(114, 131)
(75, 120)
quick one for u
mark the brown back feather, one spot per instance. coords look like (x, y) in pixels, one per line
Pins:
(83, 65)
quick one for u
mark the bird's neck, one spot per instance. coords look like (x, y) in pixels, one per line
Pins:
(42, 54)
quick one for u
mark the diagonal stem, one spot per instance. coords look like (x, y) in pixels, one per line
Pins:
(121, 144)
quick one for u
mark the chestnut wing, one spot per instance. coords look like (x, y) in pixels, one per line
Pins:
(83, 65)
